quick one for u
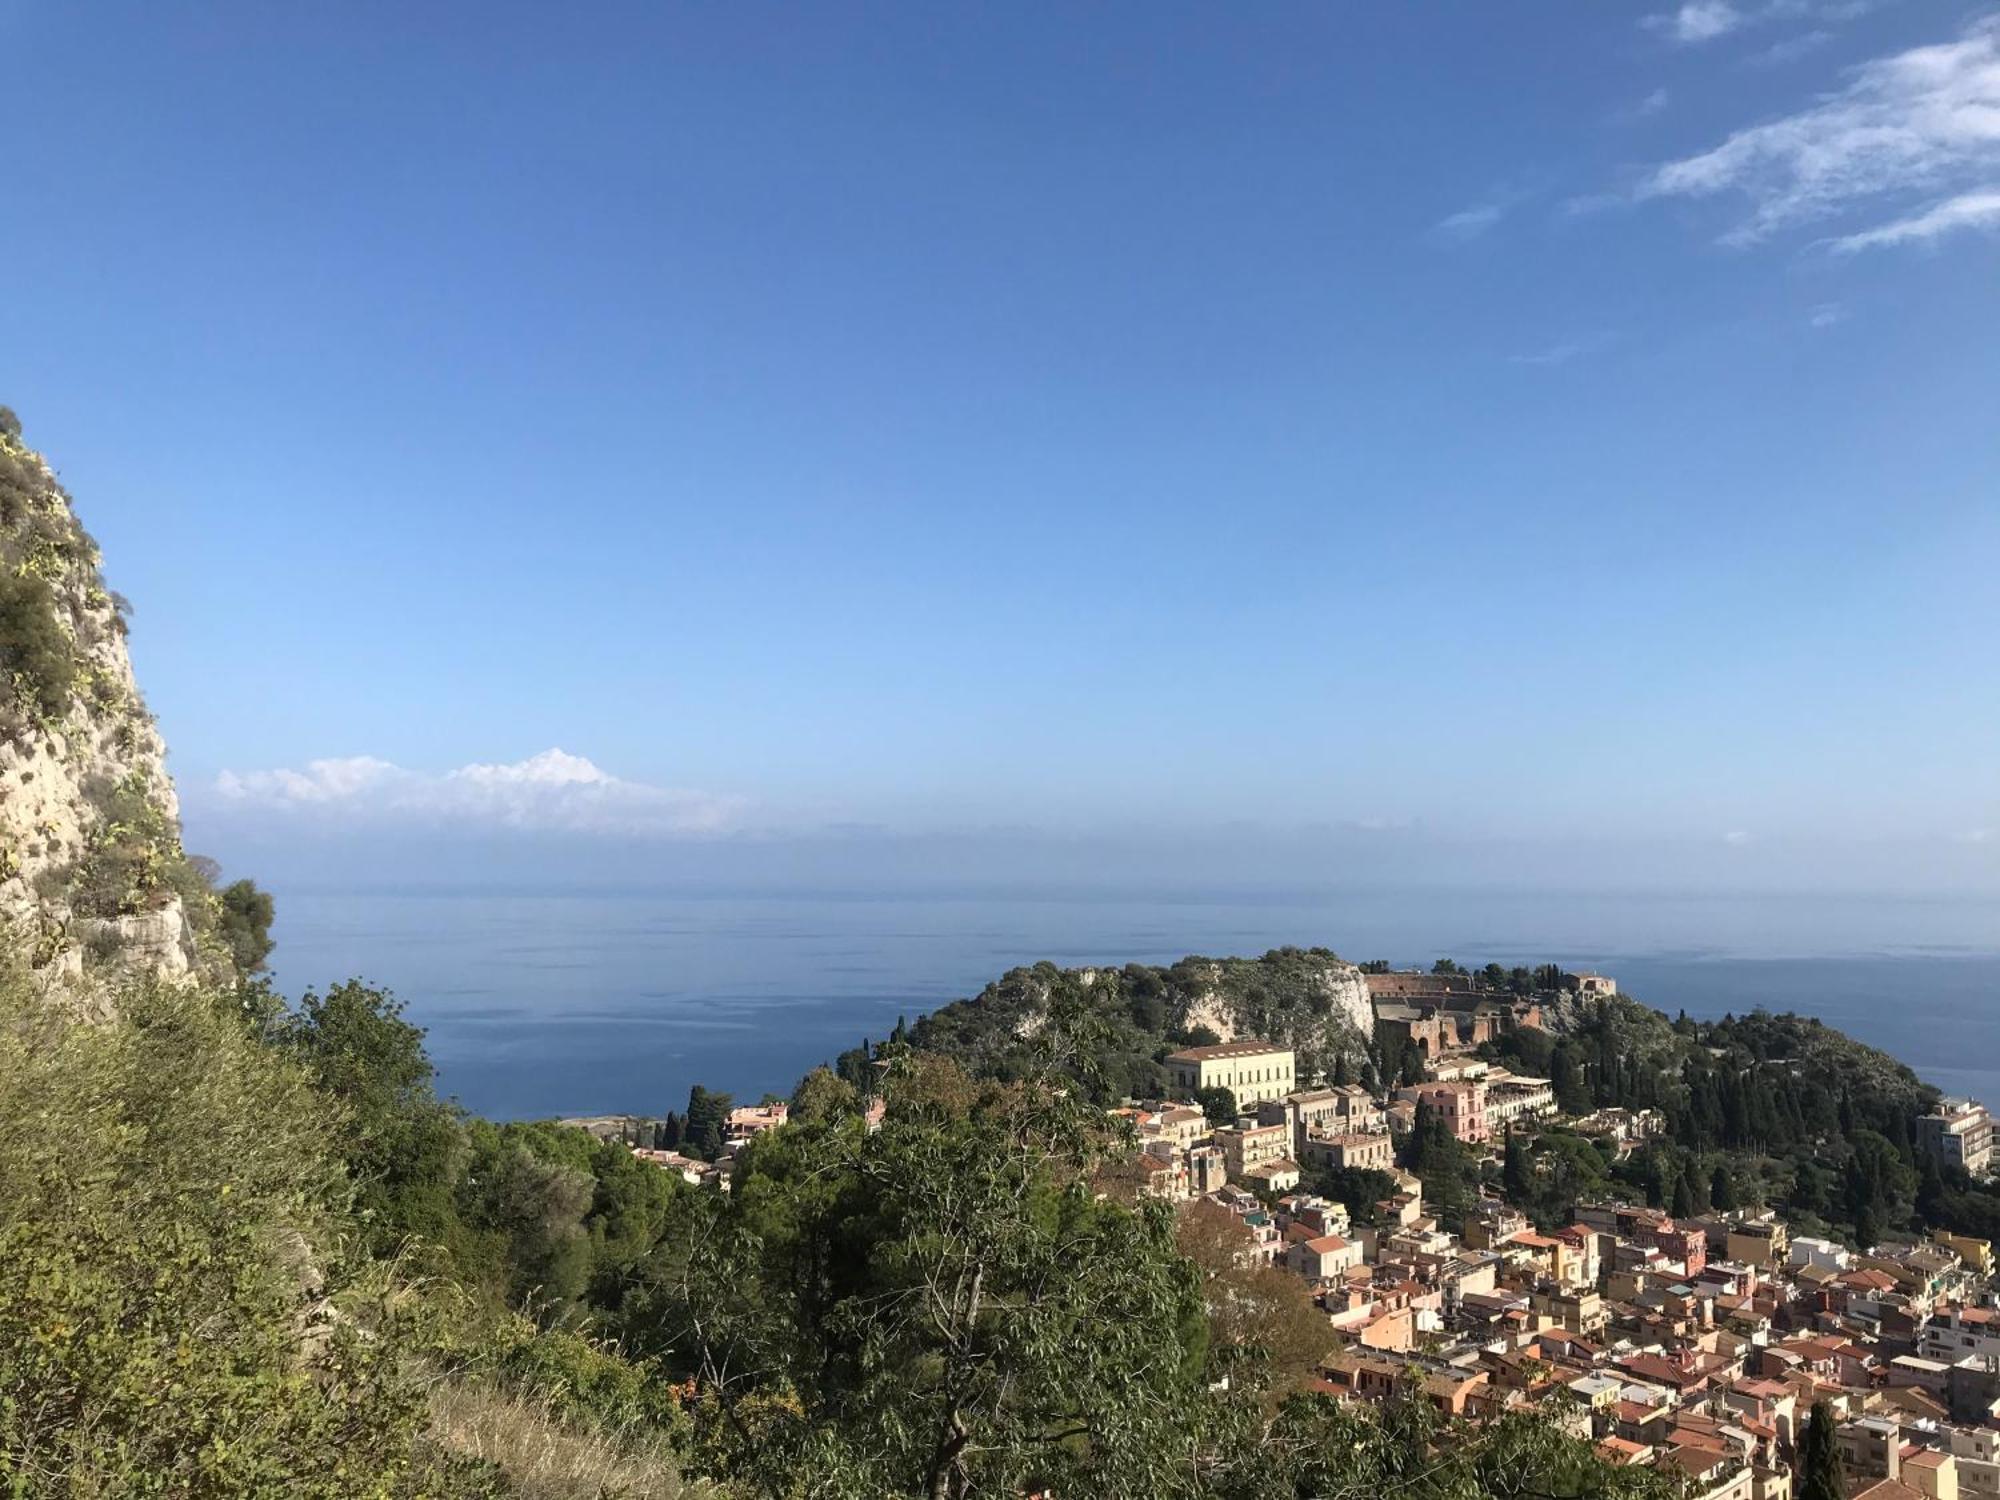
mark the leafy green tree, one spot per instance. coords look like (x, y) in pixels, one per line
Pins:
(1407, 1450)
(1683, 1201)
(824, 1095)
(1218, 1103)
(535, 1206)
(402, 1143)
(940, 1308)
(244, 924)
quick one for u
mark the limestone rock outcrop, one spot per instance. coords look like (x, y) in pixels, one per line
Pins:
(92, 874)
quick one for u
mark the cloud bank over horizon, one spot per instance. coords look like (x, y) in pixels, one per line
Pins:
(557, 822)
(551, 792)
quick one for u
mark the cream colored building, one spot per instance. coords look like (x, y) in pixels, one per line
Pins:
(1251, 1070)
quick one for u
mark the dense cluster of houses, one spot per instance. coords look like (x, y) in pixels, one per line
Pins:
(1699, 1345)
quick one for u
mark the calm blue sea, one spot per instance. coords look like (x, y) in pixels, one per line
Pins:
(542, 1004)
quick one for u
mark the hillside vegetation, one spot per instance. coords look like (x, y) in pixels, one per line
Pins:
(1307, 998)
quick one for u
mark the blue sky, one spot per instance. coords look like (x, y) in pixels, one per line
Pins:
(1486, 424)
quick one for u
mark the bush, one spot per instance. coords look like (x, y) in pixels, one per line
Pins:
(176, 1313)
(34, 646)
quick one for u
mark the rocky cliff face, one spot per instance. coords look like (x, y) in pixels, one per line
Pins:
(92, 874)
(1321, 1010)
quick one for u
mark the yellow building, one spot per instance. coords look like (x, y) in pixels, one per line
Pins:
(1978, 1254)
(1251, 1070)
(1759, 1242)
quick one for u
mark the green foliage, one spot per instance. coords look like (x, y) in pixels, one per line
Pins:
(132, 861)
(1408, 1451)
(177, 1316)
(404, 1146)
(1218, 1104)
(940, 1307)
(1446, 1165)
(1360, 1189)
(36, 650)
(824, 1095)
(707, 1114)
(1143, 1013)
(1821, 1475)
(244, 924)
(1763, 1108)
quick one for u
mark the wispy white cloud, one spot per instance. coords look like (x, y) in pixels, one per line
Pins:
(1698, 21)
(1826, 314)
(1927, 118)
(1561, 353)
(552, 792)
(1979, 210)
(1653, 104)
(1736, 838)
(1469, 223)
(1791, 49)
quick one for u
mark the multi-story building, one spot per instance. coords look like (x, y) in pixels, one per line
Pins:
(1462, 1106)
(1510, 1097)
(1375, 1153)
(1344, 1109)
(1248, 1146)
(1959, 1132)
(1251, 1070)
(1762, 1241)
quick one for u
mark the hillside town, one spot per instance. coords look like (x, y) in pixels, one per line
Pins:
(1698, 1344)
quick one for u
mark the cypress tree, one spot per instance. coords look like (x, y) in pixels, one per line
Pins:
(1516, 1177)
(1683, 1198)
(1820, 1473)
(1867, 1230)
(1721, 1190)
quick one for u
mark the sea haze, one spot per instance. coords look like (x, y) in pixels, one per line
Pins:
(588, 1002)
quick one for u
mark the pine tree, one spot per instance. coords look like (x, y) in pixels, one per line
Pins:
(1683, 1207)
(1820, 1473)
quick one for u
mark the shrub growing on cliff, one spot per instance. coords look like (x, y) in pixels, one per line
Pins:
(38, 667)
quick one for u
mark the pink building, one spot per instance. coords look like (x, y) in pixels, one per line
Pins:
(1462, 1106)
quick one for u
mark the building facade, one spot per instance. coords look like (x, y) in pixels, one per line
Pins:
(1251, 1070)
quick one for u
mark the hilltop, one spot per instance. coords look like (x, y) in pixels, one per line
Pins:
(1310, 999)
